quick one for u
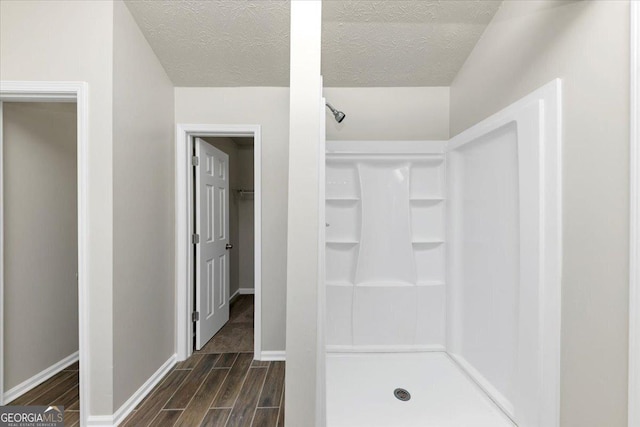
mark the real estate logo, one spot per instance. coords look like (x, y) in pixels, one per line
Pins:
(32, 416)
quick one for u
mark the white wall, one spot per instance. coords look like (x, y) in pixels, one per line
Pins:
(143, 210)
(587, 45)
(34, 47)
(389, 113)
(305, 341)
(269, 108)
(40, 237)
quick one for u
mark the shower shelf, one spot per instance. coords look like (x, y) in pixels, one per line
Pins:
(342, 242)
(342, 283)
(342, 199)
(425, 199)
(430, 283)
(385, 284)
(428, 242)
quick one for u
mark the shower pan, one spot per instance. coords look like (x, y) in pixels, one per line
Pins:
(442, 275)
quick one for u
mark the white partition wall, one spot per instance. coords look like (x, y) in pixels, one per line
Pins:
(385, 246)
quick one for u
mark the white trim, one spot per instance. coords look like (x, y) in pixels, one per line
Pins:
(40, 377)
(634, 224)
(271, 356)
(385, 348)
(246, 291)
(184, 256)
(17, 91)
(143, 391)
(386, 147)
(100, 421)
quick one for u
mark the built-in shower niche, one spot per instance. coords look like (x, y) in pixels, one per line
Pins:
(342, 228)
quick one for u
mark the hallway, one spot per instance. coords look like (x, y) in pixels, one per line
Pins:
(220, 385)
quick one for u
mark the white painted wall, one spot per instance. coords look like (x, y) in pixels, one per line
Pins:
(34, 47)
(40, 237)
(389, 113)
(143, 210)
(587, 45)
(303, 237)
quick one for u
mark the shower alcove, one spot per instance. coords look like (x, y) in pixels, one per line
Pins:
(442, 275)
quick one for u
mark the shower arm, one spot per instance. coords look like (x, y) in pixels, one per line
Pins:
(333, 110)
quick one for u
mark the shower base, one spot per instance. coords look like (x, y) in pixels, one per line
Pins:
(360, 392)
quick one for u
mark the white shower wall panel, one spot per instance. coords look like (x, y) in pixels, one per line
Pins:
(485, 201)
(385, 263)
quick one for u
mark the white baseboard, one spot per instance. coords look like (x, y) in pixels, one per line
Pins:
(140, 394)
(39, 378)
(100, 421)
(384, 348)
(242, 291)
(268, 356)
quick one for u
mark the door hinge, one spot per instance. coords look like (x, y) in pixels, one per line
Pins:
(195, 316)
(195, 161)
(195, 239)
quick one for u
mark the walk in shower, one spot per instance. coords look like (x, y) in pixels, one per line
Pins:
(442, 280)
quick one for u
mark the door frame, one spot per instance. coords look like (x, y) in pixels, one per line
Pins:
(57, 91)
(634, 223)
(184, 257)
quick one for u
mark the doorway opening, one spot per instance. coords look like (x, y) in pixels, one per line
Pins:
(218, 239)
(223, 244)
(43, 165)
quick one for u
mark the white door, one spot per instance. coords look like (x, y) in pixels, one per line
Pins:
(212, 247)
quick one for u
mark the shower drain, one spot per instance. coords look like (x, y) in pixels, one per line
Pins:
(401, 394)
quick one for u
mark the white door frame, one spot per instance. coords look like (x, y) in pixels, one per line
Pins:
(22, 91)
(184, 226)
(634, 223)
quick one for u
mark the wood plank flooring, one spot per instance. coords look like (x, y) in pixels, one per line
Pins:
(220, 385)
(60, 390)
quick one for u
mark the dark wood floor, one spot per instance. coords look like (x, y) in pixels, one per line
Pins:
(220, 385)
(60, 390)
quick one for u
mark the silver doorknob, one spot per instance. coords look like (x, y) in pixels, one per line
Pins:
(228, 246)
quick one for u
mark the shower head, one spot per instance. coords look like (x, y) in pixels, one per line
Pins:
(338, 115)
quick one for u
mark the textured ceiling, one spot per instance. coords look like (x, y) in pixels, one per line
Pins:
(218, 43)
(364, 43)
